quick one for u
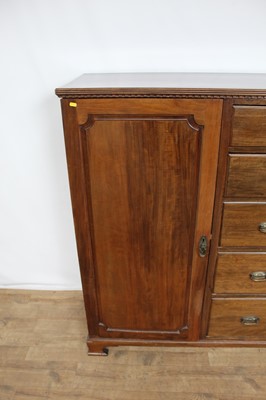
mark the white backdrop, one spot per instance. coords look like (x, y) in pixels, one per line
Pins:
(45, 44)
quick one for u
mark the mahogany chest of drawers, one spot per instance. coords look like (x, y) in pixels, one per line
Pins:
(168, 184)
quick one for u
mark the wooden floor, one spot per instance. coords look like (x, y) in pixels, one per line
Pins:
(43, 356)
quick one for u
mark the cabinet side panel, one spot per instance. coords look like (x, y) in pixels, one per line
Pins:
(80, 212)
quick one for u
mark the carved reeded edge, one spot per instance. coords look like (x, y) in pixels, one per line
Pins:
(87, 93)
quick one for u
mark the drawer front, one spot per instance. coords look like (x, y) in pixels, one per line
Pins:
(243, 273)
(243, 224)
(247, 176)
(249, 126)
(227, 314)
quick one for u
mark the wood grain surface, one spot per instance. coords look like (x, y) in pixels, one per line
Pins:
(143, 188)
(218, 210)
(241, 224)
(247, 176)
(226, 314)
(249, 126)
(233, 273)
(43, 357)
(142, 176)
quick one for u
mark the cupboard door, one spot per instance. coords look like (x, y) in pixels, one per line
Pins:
(149, 181)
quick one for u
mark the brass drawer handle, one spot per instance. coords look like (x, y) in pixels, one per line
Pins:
(257, 276)
(250, 320)
(262, 227)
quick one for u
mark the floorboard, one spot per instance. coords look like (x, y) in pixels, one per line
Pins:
(43, 356)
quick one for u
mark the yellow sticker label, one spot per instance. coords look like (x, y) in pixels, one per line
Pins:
(72, 104)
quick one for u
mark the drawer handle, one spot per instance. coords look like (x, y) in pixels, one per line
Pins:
(262, 227)
(257, 276)
(250, 320)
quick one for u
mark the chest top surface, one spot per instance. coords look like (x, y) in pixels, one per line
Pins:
(165, 84)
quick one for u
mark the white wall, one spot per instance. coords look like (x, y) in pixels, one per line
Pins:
(44, 44)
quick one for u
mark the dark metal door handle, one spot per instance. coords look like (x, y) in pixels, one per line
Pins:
(203, 246)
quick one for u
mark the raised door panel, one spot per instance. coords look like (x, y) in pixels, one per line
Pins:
(149, 182)
(143, 175)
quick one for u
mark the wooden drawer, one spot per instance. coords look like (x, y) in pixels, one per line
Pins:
(249, 126)
(226, 315)
(241, 273)
(247, 176)
(241, 223)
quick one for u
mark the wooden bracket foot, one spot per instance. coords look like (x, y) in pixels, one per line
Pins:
(97, 349)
